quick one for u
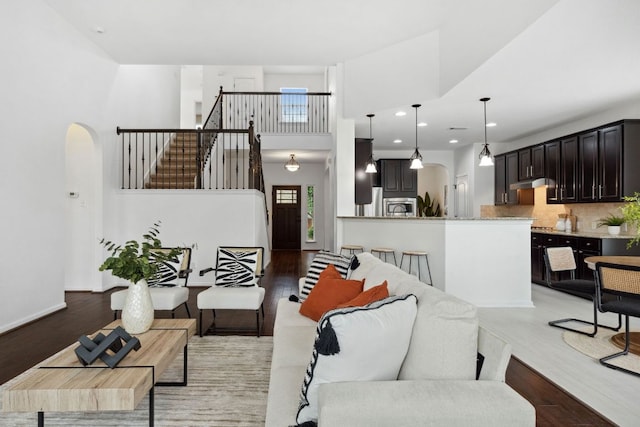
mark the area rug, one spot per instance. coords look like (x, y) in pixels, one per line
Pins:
(228, 383)
(601, 346)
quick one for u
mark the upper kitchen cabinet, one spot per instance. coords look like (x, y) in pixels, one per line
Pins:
(397, 179)
(561, 168)
(531, 162)
(608, 162)
(506, 173)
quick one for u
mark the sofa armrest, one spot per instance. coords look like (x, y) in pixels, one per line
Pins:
(423, 402)
(497, 354)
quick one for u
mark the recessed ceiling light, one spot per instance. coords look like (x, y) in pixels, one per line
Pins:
(99, 30)
(491, 124)
(453, 141)
(401, 113)
(422, 124)
(397, 141)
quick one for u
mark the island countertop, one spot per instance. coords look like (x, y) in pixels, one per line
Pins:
(440, 218)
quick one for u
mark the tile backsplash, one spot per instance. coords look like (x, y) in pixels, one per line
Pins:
(545, 215)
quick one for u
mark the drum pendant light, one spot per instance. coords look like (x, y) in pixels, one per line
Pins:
(485, 154)
(416, 157)
(371, 163)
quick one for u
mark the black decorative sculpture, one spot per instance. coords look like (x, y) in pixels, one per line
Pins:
(109, 348)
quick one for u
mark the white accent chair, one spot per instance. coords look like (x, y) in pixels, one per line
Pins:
(236, 286)
(168, 290)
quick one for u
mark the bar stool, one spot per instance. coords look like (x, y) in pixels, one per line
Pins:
(417, 255)
(384, 251)
(351, 248)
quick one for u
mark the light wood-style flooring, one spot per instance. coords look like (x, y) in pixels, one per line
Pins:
(534, 343)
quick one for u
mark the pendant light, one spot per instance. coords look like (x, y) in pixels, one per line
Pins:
(416, 157)
(292, 165)
(371, 163)
(485, 154)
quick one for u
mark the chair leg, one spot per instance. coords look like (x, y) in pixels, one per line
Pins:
(115, 314)
(200, 326)
(258, 323)
(262, 307)
(604, 360)
(595, 324)
(186, 306)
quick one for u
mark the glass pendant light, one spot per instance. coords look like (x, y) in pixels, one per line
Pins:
(485, 154)
(371, 163)
(416, 157)
(292, 165)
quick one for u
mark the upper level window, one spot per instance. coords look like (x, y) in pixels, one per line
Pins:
(293, 102)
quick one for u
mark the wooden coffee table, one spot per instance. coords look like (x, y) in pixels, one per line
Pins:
(61, 383)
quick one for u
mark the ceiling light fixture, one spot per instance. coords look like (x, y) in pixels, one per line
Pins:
(416, 157)
(397, 141)
(371, 163)
(422, 124)
(401, 113)
(292, 165)
(453, 141)
(485, 154)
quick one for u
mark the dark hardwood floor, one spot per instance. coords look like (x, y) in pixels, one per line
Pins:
(86, 312)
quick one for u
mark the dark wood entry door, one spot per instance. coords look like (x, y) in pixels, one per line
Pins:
(286, 217)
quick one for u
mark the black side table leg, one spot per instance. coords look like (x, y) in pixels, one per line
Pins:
(151, 415)
(40, 419)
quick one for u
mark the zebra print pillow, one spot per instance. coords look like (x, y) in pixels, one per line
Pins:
(236, 268)
(319, 263)
(167, 274)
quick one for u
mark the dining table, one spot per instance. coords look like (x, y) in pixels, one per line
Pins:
(618, 339)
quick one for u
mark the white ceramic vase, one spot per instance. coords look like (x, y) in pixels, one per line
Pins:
(614, 230)
(137, 313)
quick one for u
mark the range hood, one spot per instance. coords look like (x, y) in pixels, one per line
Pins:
(533, 183)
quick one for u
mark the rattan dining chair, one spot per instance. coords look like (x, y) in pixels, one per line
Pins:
(559, 260)
(618, 291)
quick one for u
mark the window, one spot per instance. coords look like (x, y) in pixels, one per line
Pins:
(286, 197)
(311, 236)
(293, 103)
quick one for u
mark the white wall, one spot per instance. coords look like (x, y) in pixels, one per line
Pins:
(215, 76)
(51, 78)
(313, 82)
(204, 219)
(433, 178)
(308, 174)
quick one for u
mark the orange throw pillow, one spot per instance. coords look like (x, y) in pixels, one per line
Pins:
(367, 297)
(327, 294)
(330, 272)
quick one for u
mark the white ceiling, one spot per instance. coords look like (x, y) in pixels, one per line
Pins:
(543, 62)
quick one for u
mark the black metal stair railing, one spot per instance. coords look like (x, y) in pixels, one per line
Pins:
(187, 159)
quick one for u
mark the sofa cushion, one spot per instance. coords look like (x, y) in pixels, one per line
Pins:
(319, 263)
(444, 342)
(327, 294)
(358, 344)
(367, 297)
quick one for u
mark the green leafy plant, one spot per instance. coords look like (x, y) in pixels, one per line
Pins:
(137, 260)
(611, 220)
(631, 214)
(427, 207)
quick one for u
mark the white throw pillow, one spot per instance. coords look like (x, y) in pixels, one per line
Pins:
(358, 344)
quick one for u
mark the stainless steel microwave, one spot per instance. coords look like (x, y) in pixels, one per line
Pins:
(399, 206)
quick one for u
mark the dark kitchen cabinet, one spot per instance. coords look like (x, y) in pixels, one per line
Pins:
(561, 168)
(506, 173)
(531, 163)
(568, 170)
(397, 179)
(601, 165)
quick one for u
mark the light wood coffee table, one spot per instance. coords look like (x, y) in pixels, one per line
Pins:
(61, 383)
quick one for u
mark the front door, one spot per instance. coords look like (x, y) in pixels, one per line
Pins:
(286, 217)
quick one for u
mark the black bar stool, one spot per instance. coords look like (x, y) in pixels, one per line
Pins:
(384, 251)
(417, 255)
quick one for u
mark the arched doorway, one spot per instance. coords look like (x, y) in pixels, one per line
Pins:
(83, 207)
(434, 178)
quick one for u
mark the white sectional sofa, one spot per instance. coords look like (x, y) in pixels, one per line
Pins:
(436, 385)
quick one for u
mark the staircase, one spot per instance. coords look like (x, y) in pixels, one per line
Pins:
(177, 167)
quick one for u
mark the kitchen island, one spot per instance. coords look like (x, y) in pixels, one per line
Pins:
(485, 261)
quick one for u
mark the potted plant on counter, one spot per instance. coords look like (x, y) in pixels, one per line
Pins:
(631, 213)
(613, 223)
(137, 262)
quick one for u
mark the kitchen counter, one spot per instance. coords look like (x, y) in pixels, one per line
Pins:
(591, 234)
(485, 261)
